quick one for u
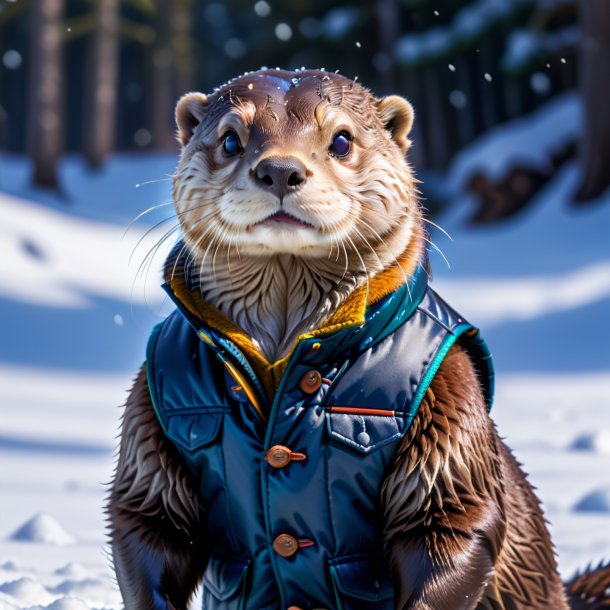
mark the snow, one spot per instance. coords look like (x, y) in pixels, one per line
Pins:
(528, 142)
(538, 286)
(597, 501)
(525, 46)
(469, 24)
(44, 529)
(49, 277)
(339, 21)
(597, 441)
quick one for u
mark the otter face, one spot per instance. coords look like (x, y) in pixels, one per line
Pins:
(302, 163)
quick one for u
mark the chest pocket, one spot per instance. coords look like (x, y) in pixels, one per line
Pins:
(196, 427)
(363, 429)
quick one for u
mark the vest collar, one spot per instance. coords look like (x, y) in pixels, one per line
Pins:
(366, 317)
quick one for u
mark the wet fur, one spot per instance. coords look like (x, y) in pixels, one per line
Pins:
(462, 527)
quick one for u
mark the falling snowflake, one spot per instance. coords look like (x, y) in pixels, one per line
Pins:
(11, 59)
(262, 8)
(283, 31)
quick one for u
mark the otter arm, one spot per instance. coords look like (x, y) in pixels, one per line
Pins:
(442, 501)
(154, 514)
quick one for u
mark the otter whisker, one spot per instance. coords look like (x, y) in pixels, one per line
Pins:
(158, 224)
(141, 214)
(168, 178)
(438, 250)
(364, 268)
(220, 240)
(146, 264)
(422, 217)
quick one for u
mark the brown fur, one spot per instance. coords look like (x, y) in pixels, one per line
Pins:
(153, 510)
(460, 516)
(591, 589)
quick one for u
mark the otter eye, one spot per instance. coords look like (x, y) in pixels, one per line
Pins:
(342, 144)
(231, 144)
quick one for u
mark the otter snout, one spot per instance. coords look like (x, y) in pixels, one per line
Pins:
(280, 175)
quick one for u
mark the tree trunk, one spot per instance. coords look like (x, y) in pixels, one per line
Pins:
(101, 85)
(388, 23)
(45, 120)
(595, 88)
(163, 135)
(173, 68)
(183, 51)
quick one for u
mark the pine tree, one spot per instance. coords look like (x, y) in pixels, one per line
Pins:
(45, 120)
(101, 84)
(595, 89)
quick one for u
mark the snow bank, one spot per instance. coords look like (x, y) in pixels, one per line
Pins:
(491, 300)
(53, 259)
(26, 592)
(529, 142)
(65, 603)
(597, 441)
(42, 528)
(597, 501)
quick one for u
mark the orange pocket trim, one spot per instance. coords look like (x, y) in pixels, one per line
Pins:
(362, 411)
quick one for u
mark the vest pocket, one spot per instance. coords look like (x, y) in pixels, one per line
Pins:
(361, 429)
(194, 429)
(360, 580)
(224, 583)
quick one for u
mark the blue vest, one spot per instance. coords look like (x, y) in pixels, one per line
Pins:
(291, 489)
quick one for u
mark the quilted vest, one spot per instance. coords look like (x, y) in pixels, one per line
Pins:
(291, 488)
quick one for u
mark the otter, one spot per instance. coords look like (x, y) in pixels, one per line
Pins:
(311, 427)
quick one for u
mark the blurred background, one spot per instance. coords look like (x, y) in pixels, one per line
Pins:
(511, 142)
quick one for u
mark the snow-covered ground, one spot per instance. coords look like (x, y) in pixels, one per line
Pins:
(75, 322)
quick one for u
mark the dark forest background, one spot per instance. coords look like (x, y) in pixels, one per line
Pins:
(98, 76)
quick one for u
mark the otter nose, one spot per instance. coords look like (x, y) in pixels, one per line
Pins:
(280, 175)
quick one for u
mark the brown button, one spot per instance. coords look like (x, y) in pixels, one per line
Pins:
(286, 545)
(310, 382)
(278, 456)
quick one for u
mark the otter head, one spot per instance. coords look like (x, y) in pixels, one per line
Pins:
(302, 163)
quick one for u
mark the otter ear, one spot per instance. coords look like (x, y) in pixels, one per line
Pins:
(190, 111)
(397, 116)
